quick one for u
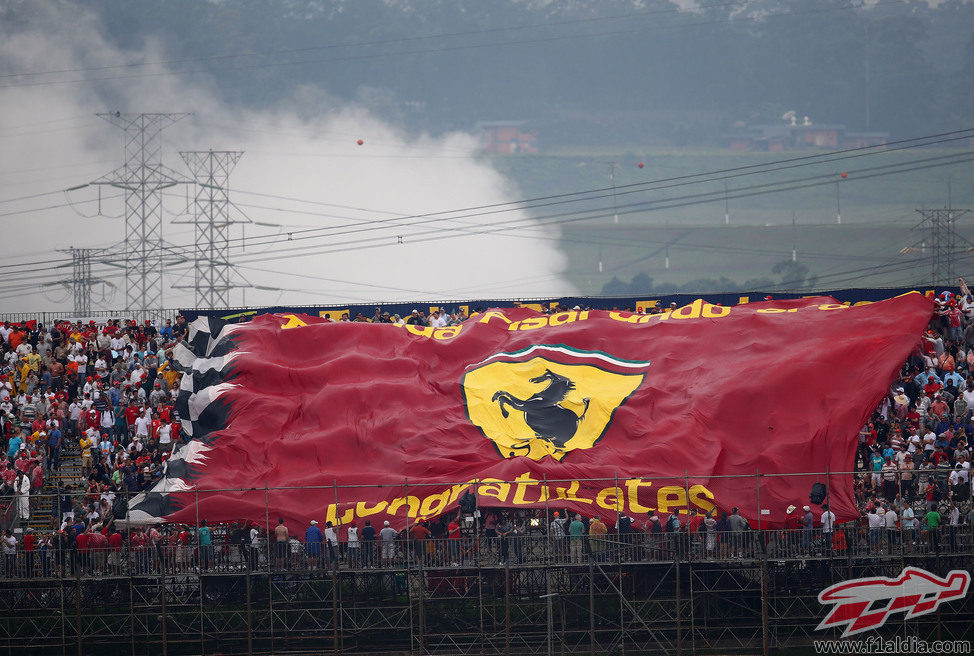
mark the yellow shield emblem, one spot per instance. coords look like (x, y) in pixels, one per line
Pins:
(540, 407)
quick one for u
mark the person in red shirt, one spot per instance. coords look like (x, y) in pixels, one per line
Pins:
(453, 534)
(182, 544)
(137, 541)
(82, 543)
(132, 413)
(165, 412)
(115, 551)
(36, 480)
(30, 541)
(97, 546)
(93, 418)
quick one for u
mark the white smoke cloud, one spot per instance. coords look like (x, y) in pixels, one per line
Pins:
(370, 196)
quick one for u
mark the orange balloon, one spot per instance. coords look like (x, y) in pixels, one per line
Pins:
(360, 142)
(640, 165)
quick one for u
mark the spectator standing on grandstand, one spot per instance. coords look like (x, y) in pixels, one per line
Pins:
(908, 523)
(576, 536)
(828, 527)
(953, 523)
(256, 543)
(504, 531)
(23, 495)
(280, 543)
(205, 545)
(889, 478)
(331, 539)
(9, 553)
(738, 527)
(808, 523)
(933, 530)
(557, 534)
(388, 537)
(368, 544)
(596, 532)
(352, 545)
(890, 519)
(313, 541)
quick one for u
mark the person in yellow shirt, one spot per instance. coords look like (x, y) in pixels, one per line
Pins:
(24, 371)
(170, 375)
(34, 362)
(86, 463)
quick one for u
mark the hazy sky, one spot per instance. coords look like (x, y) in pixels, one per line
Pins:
(371, 195)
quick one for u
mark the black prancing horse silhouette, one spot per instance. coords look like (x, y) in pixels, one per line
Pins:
(547, 419)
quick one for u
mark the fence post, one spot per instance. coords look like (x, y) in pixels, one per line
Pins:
(270, 576)
(200, 559)
(335, 579)
(546, 529)
(765, 638)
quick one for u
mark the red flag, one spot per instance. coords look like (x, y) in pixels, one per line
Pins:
(705, 407)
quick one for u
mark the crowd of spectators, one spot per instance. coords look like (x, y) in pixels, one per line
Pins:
(103, 391)
(107, 388)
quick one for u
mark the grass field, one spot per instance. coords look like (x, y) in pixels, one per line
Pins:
(675, 206)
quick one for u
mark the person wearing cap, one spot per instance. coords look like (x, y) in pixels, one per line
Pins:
(331, 540)
(388, 537)
(416, 319)
(313, 540)
(438, 319)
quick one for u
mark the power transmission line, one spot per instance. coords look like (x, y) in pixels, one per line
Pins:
(211, 218)
(143, 177)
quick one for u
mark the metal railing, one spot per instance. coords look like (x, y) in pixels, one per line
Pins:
(68, 559)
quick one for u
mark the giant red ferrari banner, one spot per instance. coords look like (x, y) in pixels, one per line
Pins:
(700, 408)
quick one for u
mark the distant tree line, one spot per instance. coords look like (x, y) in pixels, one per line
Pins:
(792, 276)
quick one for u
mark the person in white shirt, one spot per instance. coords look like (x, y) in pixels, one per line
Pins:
(954, 522)
(165, 436)
(890, 519)
(438, 319)
(353, 545)
(828, 527)
(908, 522)
(142, 426)
(331, 539)
(914, 443)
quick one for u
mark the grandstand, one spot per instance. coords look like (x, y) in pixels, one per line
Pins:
(94, 424)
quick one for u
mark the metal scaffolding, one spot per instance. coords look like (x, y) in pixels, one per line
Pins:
(753, 605)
